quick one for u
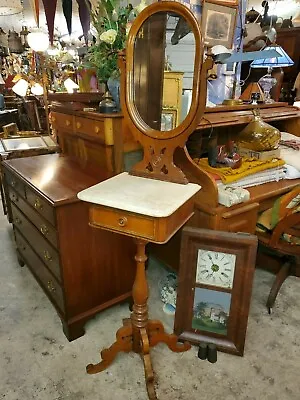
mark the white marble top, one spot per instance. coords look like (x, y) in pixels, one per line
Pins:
(139, 195)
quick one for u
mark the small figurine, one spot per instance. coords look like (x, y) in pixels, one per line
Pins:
(223, 155)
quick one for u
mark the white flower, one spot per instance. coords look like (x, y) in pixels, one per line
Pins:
(109, 36)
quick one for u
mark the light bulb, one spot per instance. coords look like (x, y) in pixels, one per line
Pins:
(38, 40)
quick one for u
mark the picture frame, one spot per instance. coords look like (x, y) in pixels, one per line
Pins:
(168, 119)
(218, 24)
(228, 3)
(214, 288)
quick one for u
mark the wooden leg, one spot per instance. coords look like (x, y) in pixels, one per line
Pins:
(139, 333)
(157, 334)
(20, 260)
(281, 276)
(73, 331)
(123, 343)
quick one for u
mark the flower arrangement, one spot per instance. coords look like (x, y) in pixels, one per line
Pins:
(110, 23)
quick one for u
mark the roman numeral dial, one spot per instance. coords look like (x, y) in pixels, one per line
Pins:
(215, 268)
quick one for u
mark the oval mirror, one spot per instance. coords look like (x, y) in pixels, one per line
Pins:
(164, 59)
(163, 63)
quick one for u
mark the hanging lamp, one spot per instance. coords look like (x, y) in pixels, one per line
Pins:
(10, 7)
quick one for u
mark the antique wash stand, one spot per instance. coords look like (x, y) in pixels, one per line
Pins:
(154, 200)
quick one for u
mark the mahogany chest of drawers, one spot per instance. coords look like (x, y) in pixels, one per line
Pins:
(77, 266)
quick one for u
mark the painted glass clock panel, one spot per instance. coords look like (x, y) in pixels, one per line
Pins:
(215, 268)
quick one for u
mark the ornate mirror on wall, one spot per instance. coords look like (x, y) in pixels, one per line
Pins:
(146, 88)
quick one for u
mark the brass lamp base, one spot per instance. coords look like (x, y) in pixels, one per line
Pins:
(232, 102)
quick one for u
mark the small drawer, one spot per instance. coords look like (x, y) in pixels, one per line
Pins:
(94, 128)
(34, 222)
(40, 205)
(64, 122)
(240, 219)
(14, 182)
(46, 279)
(122, 221)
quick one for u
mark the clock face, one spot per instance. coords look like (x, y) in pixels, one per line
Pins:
(215, 268)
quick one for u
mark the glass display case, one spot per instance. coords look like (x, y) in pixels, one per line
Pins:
(16, 144)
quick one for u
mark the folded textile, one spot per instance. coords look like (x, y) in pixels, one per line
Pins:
(290, 155)
(271, 175)
(249, 167)
(291, 172)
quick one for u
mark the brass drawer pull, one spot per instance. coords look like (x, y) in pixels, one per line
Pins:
(68, 123)
(14, 197)
(44, 230)
(122, 221)
(97, 129)
(47, 255)
(78, 125)
(50, 286)
(37, 204)
(18, 221)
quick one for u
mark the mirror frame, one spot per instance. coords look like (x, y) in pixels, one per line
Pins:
(159, 146)
(163, 6)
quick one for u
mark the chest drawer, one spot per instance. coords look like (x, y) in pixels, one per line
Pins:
(63, 121)
(242, 219)
(100, 129)
(40, 205)
(14, 182)
(122, 221)
(24, 225)
(48, 282)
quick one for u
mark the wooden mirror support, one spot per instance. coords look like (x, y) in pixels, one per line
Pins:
(158, 145)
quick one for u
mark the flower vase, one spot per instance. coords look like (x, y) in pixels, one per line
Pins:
(113, 85)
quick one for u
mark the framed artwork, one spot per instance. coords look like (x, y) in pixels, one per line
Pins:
(168, 119)
(214, 288)
(218, 24)
(230, 3)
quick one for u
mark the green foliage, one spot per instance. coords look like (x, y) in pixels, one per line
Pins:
(103, 55)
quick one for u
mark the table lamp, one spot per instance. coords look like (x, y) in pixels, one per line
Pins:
(38, 41)
(268, 81)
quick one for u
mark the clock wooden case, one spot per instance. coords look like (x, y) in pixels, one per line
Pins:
(214, 288)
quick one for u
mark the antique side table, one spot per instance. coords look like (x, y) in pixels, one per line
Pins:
(150, 211)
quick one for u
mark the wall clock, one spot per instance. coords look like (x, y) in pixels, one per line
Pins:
(214, 287)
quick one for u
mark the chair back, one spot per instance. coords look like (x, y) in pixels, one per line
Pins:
(286, 234)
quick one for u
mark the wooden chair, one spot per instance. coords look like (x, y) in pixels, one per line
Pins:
(282, 238)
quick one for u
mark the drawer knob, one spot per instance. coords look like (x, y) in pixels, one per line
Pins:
(122, 221)
(78, 125)
(44, 230)
(97, 129)
(13, 183)
(50, 286)
(18, 221)
(37, 204)
(47, 255)
(14, 197)
(68, 123)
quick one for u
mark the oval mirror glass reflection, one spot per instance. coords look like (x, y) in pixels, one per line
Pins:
(163, 70)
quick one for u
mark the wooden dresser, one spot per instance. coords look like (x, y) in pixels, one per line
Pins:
(226, 123)
(95, 140)
(76, 265)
